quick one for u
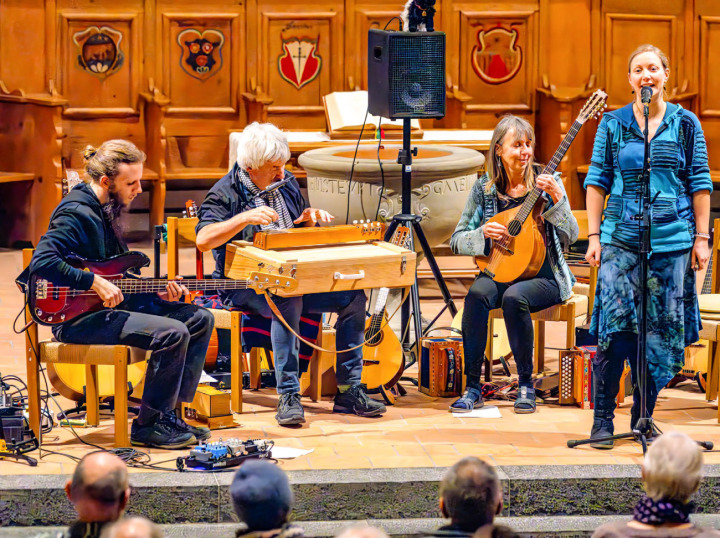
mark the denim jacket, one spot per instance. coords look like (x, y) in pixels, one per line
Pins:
(679, 168)
(560, 227)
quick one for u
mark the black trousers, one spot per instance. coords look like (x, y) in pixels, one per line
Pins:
(517, 301)
(177, 334)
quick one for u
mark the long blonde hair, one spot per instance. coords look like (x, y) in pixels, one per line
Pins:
(495, 169)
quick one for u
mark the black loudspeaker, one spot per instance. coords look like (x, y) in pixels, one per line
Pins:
(406, 74)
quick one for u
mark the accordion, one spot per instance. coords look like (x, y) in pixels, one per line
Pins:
(576, 378)
(441, 366)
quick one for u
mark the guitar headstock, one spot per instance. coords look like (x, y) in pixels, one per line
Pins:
(267, 281)
(191, 209)
(72, 179)
(593, 107)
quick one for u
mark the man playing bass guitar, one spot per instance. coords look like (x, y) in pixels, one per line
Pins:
(87, 224)
(510, 179)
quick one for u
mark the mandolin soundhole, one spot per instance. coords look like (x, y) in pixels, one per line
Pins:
(514, 227)
(373, 339)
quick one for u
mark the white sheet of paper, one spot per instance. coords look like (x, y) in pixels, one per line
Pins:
(205, 378)
(488, 411)
(288, 453)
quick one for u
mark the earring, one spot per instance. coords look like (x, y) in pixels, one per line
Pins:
(632, 92)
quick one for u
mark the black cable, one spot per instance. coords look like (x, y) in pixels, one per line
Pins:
(352, 168)
(400, 21)
(382, 171)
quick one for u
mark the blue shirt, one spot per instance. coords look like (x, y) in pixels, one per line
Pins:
(679, 168)
(228, 197)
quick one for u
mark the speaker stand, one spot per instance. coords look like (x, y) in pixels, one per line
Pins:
(412, 222)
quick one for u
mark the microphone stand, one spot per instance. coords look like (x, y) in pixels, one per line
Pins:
(643, 429)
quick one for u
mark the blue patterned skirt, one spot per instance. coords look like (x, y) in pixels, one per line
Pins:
(673, 313)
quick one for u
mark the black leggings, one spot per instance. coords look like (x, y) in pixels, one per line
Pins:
(517, 301)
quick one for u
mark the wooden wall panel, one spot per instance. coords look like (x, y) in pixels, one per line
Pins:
(709, 74)
(97, 70)
(498, 62)
(199, 57)
(23, 43)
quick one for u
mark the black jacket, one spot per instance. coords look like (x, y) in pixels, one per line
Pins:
(78, 227)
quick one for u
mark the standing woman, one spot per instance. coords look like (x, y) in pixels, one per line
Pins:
(510, 176)
(680, 188)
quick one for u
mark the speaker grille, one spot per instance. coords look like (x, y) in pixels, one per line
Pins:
(418, 67)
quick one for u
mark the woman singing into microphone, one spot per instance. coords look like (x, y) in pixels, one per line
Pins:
(679, 188)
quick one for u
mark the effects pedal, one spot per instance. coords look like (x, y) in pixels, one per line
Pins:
(222, 454)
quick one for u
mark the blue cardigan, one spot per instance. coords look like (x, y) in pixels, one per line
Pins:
(679, 168)
(560, 227)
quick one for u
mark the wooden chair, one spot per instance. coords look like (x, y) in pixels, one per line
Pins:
(711, 327)
(573, 312)
(92, 356)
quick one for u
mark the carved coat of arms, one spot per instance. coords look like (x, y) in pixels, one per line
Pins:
(497, 57)
(299, 64)
(98, 50)
(201, 56)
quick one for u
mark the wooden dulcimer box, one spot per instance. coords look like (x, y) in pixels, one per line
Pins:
(329, 267)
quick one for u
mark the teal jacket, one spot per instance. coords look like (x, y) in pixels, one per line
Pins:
(560, 227)
(679, 168)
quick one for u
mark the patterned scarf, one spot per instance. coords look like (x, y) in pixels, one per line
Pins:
(663, 511)
(273, 199)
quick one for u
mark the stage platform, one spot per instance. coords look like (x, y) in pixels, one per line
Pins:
(383, 468)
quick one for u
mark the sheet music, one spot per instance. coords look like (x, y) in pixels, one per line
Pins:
(460, 135)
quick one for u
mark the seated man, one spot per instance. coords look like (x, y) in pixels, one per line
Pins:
(235, 208)
(87, 224)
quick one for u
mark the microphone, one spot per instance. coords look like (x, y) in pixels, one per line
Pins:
(645, 94)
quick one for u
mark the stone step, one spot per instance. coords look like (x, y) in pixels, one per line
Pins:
(355, 494)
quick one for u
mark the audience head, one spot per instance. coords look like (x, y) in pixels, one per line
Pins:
(133, 527)
(262, 145)
(470, 494)
(672, 468)
(363, 531)
(261, 495)
(99, 488)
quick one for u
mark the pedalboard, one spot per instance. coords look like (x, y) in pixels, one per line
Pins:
(223, 454)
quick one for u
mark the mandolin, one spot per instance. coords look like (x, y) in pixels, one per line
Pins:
(520, 255)
(383, 360)
(51, 304)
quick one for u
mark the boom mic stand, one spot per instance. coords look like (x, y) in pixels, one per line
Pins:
(412, 222)
(644, 427)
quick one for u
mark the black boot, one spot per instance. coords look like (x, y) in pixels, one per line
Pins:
(354, 400)
(602, 427)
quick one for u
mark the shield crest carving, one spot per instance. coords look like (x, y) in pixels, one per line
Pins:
(299, 64)
(99, 51)
(201, 55)
(497, 57)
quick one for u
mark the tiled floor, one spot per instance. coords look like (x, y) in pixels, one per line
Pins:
(417, 432)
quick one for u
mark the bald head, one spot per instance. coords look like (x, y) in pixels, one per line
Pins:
(470, 494)
(99, 487)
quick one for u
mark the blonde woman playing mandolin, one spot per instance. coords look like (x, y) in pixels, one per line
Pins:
(511, 176)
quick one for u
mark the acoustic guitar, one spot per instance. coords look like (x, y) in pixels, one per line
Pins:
(383, 360)
(520, 255)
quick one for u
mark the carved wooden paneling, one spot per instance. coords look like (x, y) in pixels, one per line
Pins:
(23, 43)
(200, 59)
(299, 59)
(709, 74)
(498, 66)
(624, 33)
(99, 66)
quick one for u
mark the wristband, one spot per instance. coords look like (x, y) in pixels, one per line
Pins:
(704, 236)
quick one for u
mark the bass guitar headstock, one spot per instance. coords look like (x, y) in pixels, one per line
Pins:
(191, 209)
(593, 107)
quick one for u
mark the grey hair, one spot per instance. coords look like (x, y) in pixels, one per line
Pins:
(495, 170)
(672, 467)
(261, 143)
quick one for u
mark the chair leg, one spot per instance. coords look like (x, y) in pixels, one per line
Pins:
(315, 380)
(489, 351)
(539, 347)
(92, 401)
(255, 371)
(122, 439)
(713, 372)
(236, 370)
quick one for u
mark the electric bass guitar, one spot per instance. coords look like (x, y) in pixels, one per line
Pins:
(51, 304)
(383, 360)
(521, 254)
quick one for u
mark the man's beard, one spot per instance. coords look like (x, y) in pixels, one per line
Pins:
(115, 211)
